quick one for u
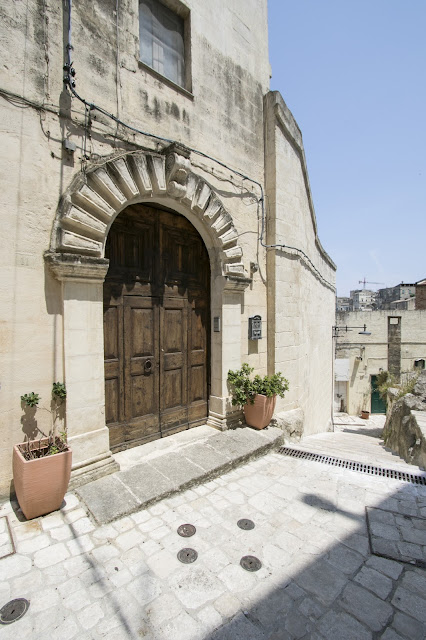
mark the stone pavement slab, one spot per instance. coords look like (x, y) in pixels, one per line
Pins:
(320, 579)
(149, 476)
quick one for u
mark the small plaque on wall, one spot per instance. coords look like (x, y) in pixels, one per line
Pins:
(216, 324)
(255, 328)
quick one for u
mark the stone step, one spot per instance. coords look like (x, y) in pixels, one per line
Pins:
(159, 473)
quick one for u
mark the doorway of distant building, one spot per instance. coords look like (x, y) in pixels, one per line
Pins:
(378, 405)
(156, 326)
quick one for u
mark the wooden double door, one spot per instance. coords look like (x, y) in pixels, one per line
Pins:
(156, 326)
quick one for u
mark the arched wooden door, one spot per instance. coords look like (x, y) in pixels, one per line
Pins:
(156, 326)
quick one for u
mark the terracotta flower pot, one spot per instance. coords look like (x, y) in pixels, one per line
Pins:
(259, 414)
(41, 484)
(365, 414)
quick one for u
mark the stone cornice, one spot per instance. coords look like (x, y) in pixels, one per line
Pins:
(68, 266)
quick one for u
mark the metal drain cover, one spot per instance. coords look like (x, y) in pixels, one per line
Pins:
(186, 530)
(13, 610)
(245, 524)
(187, 555)
(250, 563)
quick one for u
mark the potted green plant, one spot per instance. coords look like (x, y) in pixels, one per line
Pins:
(256, 395)
(42, 466)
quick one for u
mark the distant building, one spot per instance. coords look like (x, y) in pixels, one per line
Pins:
(396, 342)
(402, 291)
(421, 294)
(343, 304)
(363, 299)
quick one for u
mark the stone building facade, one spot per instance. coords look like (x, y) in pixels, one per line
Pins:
(150, 207)
(397, 344)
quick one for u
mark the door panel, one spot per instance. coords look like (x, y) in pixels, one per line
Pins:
(156, 326)
(173, 372)
(141, 371)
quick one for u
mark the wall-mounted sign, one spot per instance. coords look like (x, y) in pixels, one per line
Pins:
(255, 328)
(216, 324)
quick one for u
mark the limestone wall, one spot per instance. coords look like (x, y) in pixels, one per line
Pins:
(369, 355)
(301, 275)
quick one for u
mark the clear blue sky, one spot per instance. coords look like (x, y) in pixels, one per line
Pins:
(353, 73)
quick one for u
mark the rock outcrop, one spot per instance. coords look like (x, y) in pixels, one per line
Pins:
(405, 428)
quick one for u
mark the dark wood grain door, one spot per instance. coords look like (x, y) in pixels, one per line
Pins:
(156, 327)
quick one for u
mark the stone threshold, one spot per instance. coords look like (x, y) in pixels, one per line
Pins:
(163, 471)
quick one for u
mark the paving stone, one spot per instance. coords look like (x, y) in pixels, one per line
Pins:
(227, 605)
(366, 607)
(52, 520)
(171, 466)
(124, 524)
(182, 627)
(27, 530)
(415, 580)
(410, 603)
(312, 609)
(408, 627)
(74, 515)
(163, 563)
(61, 533)
(345, 559)
(210, 618)
(135, 560)
(70, 502)
(194, 586)
(163, 608)
(77, 600)
(14, 565)
(90, 616)
(129, 539)
(81, 526)
(105, 552)
(341, 626)
(108, 498)
(374, 581)
(390, 634)
(31, 545)
(390, 568)
(322, 580)
(146, 482)
(79, 545)
(144, 589)
(239, 628)
(236, 579)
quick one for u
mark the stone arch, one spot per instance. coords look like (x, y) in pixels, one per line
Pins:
(93, 201)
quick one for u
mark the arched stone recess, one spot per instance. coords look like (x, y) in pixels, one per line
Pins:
(92, 203)
(76, 258)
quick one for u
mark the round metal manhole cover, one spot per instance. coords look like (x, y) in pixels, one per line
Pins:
(13, 610)
(186, 530)
(250, 563)
(245, 524)
(187, 555)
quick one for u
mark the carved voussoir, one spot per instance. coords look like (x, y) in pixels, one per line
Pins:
(213, 208)
(191, 188)
(78, 219)
(233, 252)
(235, 268)
(107, 188)
(142, 177)
(73, 242)
(157, 167)
(124, 177)
(222, 222)
(229, 236)
(201, 198)
(92, 202)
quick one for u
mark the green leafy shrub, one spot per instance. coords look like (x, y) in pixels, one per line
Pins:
(59, 390)
(31, 399)
(244, 388)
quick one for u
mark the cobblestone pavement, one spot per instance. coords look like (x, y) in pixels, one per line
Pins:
(319, 578)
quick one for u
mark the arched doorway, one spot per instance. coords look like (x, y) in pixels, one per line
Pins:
(156, 326)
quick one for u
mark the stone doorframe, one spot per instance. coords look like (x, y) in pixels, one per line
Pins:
(76, 258)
